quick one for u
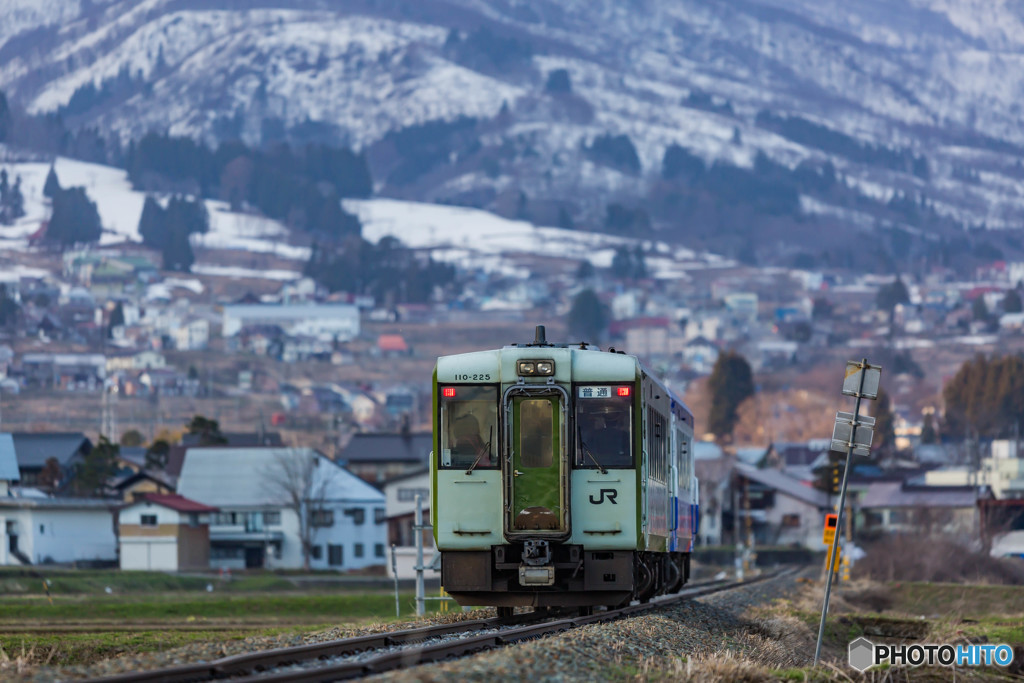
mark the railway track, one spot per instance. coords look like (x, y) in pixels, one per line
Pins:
(378, 653)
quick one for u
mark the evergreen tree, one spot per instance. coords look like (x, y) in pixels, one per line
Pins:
(892, 294)
(157, 454)
(587, 317)
(207, 429)
(75, 218)
(979, 311)
(52, 185)
(1012, 302)
(116, 319)
(17, 200)
(985, 397)
(885, 424)
(151, 224)
(98, 466)
(5, 118)
(731, 382)
(177, 253)
(585, 271)
(558, 83)
(8, 307)
(928, 433)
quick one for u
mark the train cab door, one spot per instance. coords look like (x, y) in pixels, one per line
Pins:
(537, 475)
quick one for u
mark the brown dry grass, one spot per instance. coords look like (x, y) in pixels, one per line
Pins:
(935, 559)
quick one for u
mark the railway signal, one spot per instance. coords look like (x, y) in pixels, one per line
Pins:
(852, 433)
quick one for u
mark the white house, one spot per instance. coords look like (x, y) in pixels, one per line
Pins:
(165, 532)
(400, 494)
(783, 510)
(256, 526)
(329, 321)
(193, 335)
(43, 530)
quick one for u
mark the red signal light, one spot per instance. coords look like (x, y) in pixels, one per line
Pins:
(623, 391)
(448, 392)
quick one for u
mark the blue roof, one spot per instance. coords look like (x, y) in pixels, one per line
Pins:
(8, 459)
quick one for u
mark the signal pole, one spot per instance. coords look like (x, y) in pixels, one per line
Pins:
(851, 433)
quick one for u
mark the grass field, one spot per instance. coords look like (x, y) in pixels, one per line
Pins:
(79, 621)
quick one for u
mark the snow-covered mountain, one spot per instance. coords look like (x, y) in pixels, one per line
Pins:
(942, 80)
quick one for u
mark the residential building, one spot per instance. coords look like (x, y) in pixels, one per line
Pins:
(9, 474)
(400, 502)
(57, 530)
(377, 458)
(68, 371)
(902, 507)
(782, 510)
(257, 526)
(192, 335)
(330, 321)
(34, 449)
(165, 532)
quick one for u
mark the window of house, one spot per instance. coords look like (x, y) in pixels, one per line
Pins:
(316, 552)
(193, 519)
(42, 529)
(408, 495)
(379, 515)
(378, 550)
(335, 555)
(272, 517)
(147, 520)
(790, 520)
(359, 549)
(321, 518)
(224, 518)
(358, 515)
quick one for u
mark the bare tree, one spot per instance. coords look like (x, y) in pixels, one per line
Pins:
(302, 482)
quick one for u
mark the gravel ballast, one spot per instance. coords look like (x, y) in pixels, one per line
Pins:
(660, 640)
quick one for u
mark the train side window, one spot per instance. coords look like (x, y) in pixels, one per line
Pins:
(469, 427)
(604, 430)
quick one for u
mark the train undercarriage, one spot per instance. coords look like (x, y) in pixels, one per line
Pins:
(538, 574)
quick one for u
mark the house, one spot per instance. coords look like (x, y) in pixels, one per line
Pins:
(68, 371)
(165, 532)
(328, 321)
(378, 457)
(56, 530)
(700, 354)
(136, 485)
(8, 465)
(143, 360)
(391, 345)
(904, 507)
(400, 504)
(256, 525)
(783, 510)
(192, 335)
(34, 449)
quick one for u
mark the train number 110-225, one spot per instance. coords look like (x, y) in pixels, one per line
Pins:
(479, 377)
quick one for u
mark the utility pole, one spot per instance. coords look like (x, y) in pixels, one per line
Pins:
(852, 433)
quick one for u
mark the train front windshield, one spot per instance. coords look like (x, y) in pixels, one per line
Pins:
(604, 423)
(469, 427)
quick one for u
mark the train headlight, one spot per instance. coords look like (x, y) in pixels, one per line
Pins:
(532, 368)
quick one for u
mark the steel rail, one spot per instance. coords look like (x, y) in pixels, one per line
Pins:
(247, 666)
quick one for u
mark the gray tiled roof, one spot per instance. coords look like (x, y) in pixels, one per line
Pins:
(34, 449)
(785, 484)
(895, 494)
(388, 448)
(227, 477)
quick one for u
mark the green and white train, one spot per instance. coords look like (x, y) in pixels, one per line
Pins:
(562, 476)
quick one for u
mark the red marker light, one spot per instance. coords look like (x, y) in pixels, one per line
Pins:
(448, 392)
(623, 391)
